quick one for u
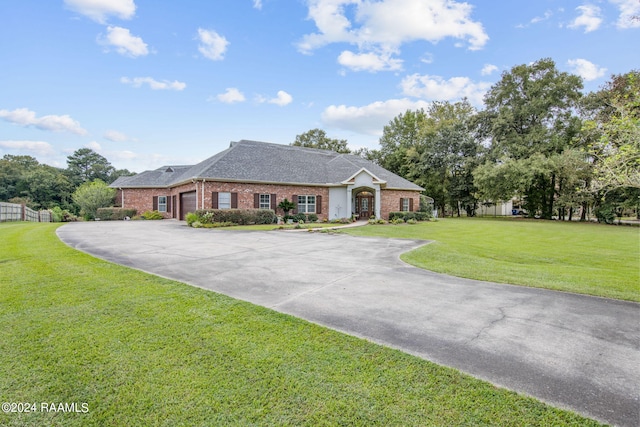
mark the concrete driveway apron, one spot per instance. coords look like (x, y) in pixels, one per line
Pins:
(573, 351)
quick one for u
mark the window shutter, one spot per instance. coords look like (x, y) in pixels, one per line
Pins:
(273, 202)
(214, 200)
(256, 200)
(411, 204)
(401, 200)
(155, 203)
(168, 203)
(294, 199)
(234, 200)
(175, 208)
(319, 204)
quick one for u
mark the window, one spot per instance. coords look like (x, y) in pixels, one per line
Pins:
(307, 204)
(224, 200)
(265, 201)
(405, 205)
(162, 203)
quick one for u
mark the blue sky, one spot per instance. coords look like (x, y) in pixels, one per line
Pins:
(149, 83)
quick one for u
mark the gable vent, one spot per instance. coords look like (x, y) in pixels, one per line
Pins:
(169, 169)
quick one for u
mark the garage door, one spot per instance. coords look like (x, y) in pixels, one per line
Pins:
(187, 203)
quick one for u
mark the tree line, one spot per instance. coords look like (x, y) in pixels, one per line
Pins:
(24, 180)
(539, 139)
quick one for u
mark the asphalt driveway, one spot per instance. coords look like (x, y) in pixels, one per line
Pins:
(573, 351)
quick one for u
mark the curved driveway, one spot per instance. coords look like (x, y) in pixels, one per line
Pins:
(573, 351)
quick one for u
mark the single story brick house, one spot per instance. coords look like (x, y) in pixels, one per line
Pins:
(252, 174)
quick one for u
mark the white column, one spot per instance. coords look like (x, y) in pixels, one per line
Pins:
(378, 202)
(347, 214)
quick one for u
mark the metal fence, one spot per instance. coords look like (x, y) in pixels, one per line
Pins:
(15, 212)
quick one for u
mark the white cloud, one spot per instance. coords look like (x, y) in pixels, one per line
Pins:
(257, 4)
(589, 18)
(546, 16)
(383, 26)
(369, 61)
(435, 88)
(124, 43)
(212, 45)
(369, 119)
(154, 84)
(629, 13)
(40, 148)
(115, 136)
(95, 146)
(586, 69)
(282, 99)
(26, 117)
(488, 69)
(231, 96)
(99, 10)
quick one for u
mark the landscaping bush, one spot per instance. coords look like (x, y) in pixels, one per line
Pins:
(299, 217)
(235, 216)
(405, 216)
(152, 215)
(113, 214)
(312, 218)
(62, 215)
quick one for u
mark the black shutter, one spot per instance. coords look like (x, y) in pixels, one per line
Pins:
(234, 200)
(214, 200)
(401, 200)
(256, 200)
(411, 204)
(155, 203)
(273, 202)
(168, 203)
(294, 199)
(319, 204)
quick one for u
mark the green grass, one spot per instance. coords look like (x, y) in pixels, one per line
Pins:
(143, 350)
(584, 258)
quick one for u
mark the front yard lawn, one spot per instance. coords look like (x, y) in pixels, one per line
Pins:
(585, 258)
(138, 349)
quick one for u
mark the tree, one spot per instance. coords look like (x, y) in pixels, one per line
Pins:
(614, 126)
(286, 206)
(86, 165)
(12, 171)
(317, 138)
(529, 120)
(47, 187)
(402, 145)
(93, 195)
(450, 155)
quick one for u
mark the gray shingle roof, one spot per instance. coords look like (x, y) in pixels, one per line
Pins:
(253, 161)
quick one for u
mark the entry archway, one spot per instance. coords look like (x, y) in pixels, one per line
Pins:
(364, 201)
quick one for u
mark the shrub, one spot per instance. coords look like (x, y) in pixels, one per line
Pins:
(152, 215)
(606, 214)
(374, 221)
(397, 220)
(299, 217)
(312, 217)
(111, 214)
(62, 215)
(341, 221)
(405, 216)
(191, 218)
(235, 216)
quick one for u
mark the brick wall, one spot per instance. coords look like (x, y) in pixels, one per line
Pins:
(142, 198)
(391, 201)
